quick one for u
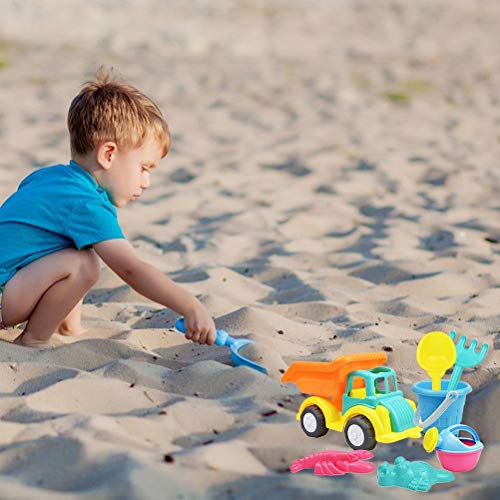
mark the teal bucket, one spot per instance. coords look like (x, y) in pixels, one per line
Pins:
(439, 409)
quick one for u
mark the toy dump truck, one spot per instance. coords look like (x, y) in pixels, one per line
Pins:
(355, 394)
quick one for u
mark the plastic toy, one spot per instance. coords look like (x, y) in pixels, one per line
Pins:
(455, 453)
(353, 394)
(416, 476)
(439, 408)
(235, 345)
(466, 358)
(435, 354)
(335, 463)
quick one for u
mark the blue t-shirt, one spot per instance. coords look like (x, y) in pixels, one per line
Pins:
(54, 208)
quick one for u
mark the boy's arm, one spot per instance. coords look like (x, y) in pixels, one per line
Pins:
(145, 279)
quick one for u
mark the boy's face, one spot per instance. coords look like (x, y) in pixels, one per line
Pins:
(129, 172)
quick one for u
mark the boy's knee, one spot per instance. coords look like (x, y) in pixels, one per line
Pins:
(90, 266)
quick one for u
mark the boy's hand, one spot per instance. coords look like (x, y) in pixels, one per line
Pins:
(199, 325)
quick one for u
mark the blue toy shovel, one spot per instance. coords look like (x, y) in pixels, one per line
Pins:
(235, 345)
(466, 358)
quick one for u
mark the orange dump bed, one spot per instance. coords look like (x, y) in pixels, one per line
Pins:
(328, 379)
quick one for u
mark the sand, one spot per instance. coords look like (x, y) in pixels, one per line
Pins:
(332, 188)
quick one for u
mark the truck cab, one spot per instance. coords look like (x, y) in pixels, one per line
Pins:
(380, 388)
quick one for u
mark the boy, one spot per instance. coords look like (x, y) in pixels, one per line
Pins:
(63, 218)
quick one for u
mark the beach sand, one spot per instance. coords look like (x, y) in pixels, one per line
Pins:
(332, 188)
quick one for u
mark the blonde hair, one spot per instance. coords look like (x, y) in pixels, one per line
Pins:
(108, 110)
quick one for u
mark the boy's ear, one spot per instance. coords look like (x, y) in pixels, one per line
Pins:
(106, 153)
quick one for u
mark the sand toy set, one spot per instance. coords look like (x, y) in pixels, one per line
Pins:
(357, 395)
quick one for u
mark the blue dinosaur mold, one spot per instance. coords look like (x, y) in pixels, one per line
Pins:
(416, 476)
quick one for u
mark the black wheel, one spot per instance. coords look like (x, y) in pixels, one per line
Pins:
(312, 421)
(360, 434)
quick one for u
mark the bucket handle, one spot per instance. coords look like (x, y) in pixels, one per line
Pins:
(455, 429)
(451, 397)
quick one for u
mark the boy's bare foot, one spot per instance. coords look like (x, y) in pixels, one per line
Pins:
(25, 339)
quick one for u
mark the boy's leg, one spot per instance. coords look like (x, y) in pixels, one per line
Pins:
(71, 324)
(46, 291)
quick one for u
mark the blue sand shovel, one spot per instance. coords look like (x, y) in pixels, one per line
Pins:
(235, 345)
